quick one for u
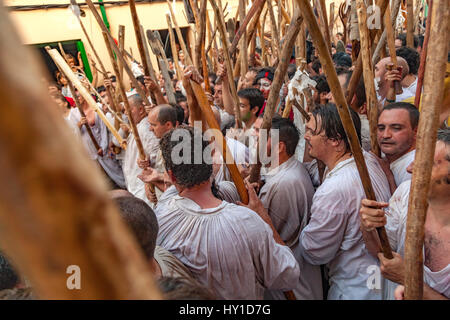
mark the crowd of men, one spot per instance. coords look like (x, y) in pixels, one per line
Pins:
(303, 230)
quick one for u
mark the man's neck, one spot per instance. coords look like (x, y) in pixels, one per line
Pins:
(202, 195)
(408, 80)
(249, 123)
(439, 211)
(394, 157)
(334, 159)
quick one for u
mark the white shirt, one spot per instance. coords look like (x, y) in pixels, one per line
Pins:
(229, 249)
(130, 167)
(396, 216)
(287, 196)
(398, 167)
(333, 237)
(240, 155)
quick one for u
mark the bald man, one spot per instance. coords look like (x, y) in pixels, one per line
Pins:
(382, 79)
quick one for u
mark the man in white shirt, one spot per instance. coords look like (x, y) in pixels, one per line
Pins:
(287, 195)
(228, 248)
(437, 226)
(412, 57)
(396, 133)
(332, 236)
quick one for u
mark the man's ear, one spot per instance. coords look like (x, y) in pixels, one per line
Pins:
(254, 110)
(281, 147)
(171, 176)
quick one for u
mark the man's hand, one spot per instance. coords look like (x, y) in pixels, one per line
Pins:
(399, 293)
(100, 152)
(107, 82)
(143, 164)
(254, 203)
(209, 96)
(150, 195)
(150, 84)
(83, 121)
(150, 175)
(222, 71)
(190, 73)
(392, 269)
(372, 214)
(393, 75)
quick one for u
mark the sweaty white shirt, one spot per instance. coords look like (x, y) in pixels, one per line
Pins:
(398, 167)
(229, 249)
(333, 237)
(396, 216)
(287, 195)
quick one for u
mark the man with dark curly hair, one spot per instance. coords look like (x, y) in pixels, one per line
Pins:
(412, 58)
(231, 249)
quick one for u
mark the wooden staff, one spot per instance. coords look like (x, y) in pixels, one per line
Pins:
(382, 42)
(109, 94)
(287, 108)
(423, 56)
(391, 44)
(302, 110)
(212, 40)
(143, 50)
(43, 174)
(357, 72)
(410, 23)
(80, 109)
(371, 95)
(275, 39)
(323, 17)
(226, 54)
(243, 47)
(300, 47)
(109, 42)
(142, 155)
(331, 23)
(278, 79)
(433, 93)
(174, 48)
(342, 107)
(121, 47)
(263, 45)
(70, 76)
(187, 57)
(156, 45)
(252, 26)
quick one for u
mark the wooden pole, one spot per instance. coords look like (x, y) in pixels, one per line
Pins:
(174, 48)
(382, 42)
(391, 44)
(228, 64)
(52, 216)
(275, 39)
(112, 100)
(323, 17)
(121, 47)
(410, 23)
(109, 42)
(220, 139)
(332, 18)
(64, 67)
(423, 57)
(371, 95)
(344, 113)
(278, 79)
(357, 72)
(80, 109)
(433, 93)
(187, 57)
(243, 41)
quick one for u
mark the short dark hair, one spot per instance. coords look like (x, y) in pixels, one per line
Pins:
(179, 97)
(167, 113)
(412, 110)
(142, 221)
(444, 135)
(341, 59)
(266, 72)
(316, 65)
(141, 79)
(402, 37)
(331, 123)
(113, 78)
(322, 84)
(101, 89)
(180, 288)
(8, 276)
(254, 97)
(411, 56)
(288, 133)
(180, 113)
(191, 173)
(213, 76)
(291, 69)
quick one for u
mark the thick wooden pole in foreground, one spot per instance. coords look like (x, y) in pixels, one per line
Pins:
(433, 93)
(410, 23)
(344, 113)
(54, 208)
(278, 79)
(368, 74)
